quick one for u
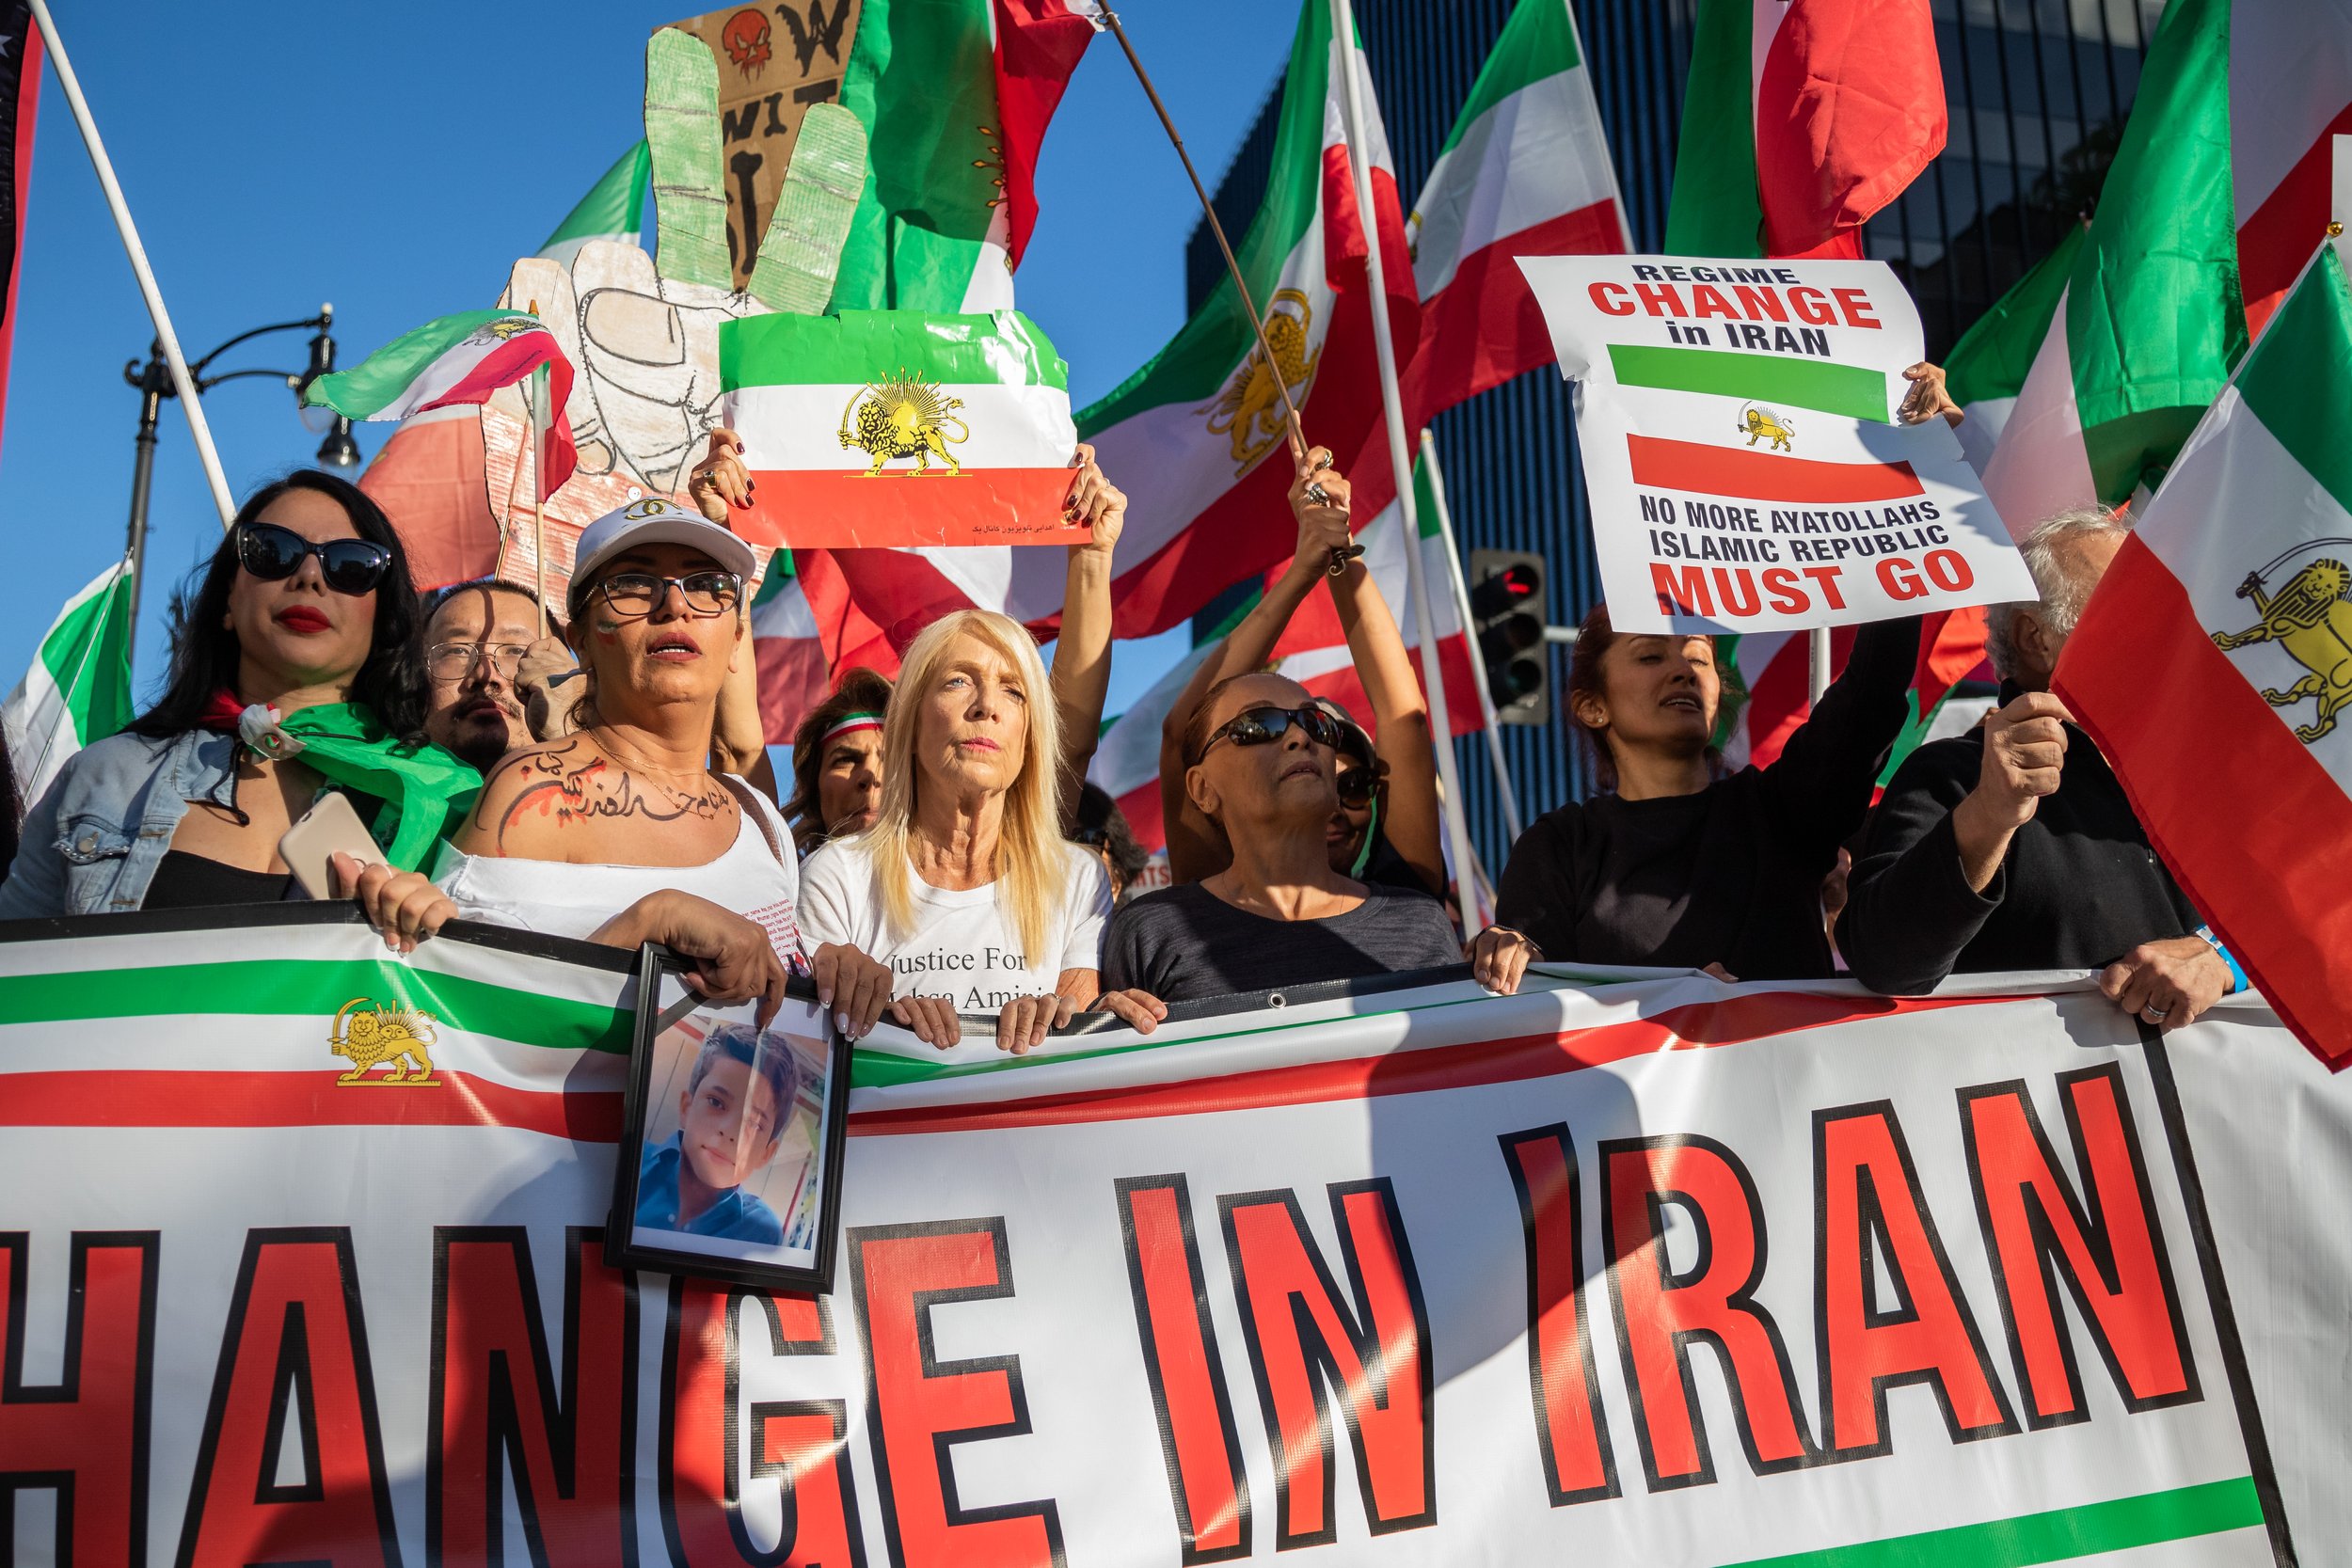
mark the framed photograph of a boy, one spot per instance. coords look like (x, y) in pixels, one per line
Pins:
(730, 1159)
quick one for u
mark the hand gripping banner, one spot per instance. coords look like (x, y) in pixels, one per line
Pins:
(1633, 1267)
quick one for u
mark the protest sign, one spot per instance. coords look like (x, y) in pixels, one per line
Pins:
(1744, 477)
(1655, 1270)
(772, 65)
(881, 429)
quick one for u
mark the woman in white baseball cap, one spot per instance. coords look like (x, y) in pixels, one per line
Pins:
(620, 831)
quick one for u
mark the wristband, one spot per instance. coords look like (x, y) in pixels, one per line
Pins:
(2238, 981)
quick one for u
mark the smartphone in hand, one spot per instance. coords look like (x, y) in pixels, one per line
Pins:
(328, 829)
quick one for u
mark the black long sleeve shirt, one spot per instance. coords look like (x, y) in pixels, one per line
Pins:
(2078, 889)
(1731, 875)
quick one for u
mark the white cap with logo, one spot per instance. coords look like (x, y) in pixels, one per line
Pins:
(655, 522)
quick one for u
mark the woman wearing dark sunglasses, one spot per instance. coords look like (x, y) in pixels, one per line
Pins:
(1260, 760)
(1394, 841)
(305, 605)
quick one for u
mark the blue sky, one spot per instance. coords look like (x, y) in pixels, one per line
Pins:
(395, 160)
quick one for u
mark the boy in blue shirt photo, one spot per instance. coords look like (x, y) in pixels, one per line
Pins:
(731, 1117)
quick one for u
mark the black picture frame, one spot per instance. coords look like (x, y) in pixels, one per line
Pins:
(665, 1006)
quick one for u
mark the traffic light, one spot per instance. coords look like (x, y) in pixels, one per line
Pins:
(1506, 597)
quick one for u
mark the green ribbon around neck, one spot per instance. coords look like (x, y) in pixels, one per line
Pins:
(425, 791)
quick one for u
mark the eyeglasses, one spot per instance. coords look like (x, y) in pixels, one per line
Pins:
(635, 594)
(452, 661)
(352, 566)
(1260, 725)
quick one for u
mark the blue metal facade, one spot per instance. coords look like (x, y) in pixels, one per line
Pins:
(2037, 91)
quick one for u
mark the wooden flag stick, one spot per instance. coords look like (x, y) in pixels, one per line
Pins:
(1341, 557)
(1233, 268)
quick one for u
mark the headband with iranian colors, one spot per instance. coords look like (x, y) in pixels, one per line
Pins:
(850, 723)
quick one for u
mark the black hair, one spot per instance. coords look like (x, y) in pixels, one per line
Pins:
(204, 656)
(1099, 820)
(778, 1065)
(434, 601)
(858, 691)
(1594, 637)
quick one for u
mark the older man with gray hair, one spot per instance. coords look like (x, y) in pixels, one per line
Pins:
(2013, 846)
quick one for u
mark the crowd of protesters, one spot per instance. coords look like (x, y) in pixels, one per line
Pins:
(601, 774)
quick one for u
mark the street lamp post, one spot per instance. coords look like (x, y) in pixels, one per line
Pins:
(154, 381)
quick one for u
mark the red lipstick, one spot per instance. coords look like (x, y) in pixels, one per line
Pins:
(303, 620)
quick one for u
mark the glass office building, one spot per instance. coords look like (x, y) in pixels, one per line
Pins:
(2037, 91)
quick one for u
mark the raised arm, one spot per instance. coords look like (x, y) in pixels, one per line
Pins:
(1081, 676)
(739, 739)
(739, 736)
(1400, 712)
(1821, 782)
(1194, 847)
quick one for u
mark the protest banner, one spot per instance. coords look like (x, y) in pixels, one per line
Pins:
(853, 423)
(1734, 418)
(1646, 1269)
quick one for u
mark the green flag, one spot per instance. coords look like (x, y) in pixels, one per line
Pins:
(611, 209)
(78, 690)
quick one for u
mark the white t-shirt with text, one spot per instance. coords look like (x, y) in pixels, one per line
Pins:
(963, 946)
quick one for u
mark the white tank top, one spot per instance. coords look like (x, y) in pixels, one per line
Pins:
(567, 900)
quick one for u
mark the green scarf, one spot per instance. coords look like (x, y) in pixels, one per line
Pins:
(425, 792)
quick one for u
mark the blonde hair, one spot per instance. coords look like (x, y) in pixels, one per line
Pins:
(1030, 875)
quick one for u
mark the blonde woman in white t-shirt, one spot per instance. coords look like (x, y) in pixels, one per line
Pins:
(963, 885)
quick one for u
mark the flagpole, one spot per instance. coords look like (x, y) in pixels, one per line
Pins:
(1400, 463)
(182, 383)
(542, 416)
(1816, 663)
(1504, 791)
(1233, 268)
(1208, 209)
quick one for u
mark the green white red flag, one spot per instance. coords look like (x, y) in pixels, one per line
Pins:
(2214, 663)
(879, 429)
(955, 96)
(456, 360)
(1987, 368)
(1196, 436)
(1802, 119)
(78, 690)
(1525, 172)
(2217, 194)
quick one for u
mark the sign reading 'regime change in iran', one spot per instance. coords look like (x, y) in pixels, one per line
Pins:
(1745, 474)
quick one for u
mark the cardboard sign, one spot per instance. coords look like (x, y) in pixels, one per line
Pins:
(1744, 474)
(774, 61)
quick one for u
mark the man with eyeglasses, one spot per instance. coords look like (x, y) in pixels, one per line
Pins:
(1260, 764)
(495, 684)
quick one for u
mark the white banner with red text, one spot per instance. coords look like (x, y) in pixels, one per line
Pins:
(1633, 1268)
(1735, 421)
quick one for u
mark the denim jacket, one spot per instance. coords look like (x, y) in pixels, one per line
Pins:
(92, 841)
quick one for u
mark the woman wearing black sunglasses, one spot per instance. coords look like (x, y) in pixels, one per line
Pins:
(1395, 843)
(1260, 760)
(305, 610)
